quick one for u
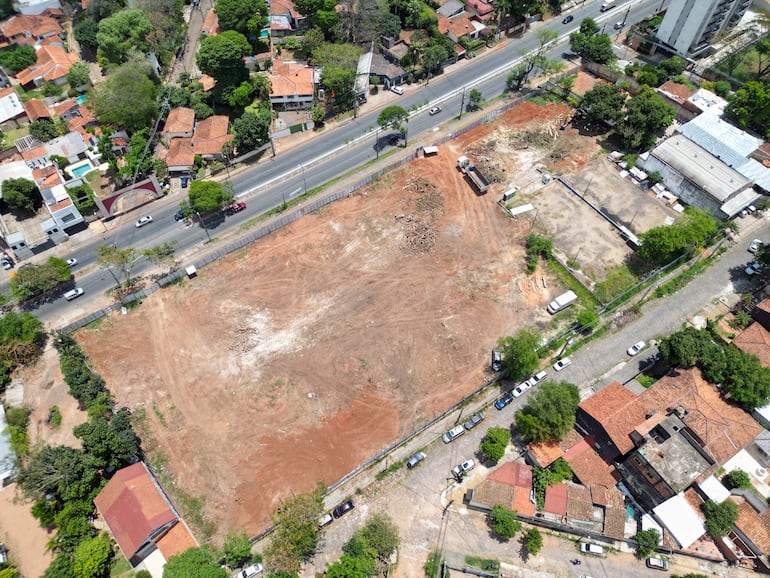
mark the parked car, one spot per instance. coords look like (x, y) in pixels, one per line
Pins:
(521, 389)
(73, 293)
(325, 520)
(397, 89)
(414, 460)
(235, 208)
(71, 262)
(184, 182)
(562, 363)
(7, 263)
(657, 563)
(249, 571)
(474, 420)
(434, 111)
(460, 470)
(179, 215)
(618, 26)
(755, 245)
(503, 401)
(394, 139)
(591, 549)
(537, 378)
(453, 434)
(568, 19)
(142, 221)
(343, 508)
(753, 268)
(497, 360)
(636, 348)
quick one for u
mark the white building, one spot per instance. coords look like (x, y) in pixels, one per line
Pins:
(689, 25)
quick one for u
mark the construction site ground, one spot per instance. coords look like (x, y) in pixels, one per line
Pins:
(298, 358)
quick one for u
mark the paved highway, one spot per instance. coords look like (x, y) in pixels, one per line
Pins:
(345, 148)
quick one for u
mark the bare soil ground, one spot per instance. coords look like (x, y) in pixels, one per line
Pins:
(22, 534)
(306, 353)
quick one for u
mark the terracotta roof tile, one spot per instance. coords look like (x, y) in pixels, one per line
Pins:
(588, 466)
(556, 499)
(619, 412)
(208, 82)
(754, 526)
(27, 28)
(679, 93)
(210, 135)
(177, 540)
(34, 153)
(755, 340)
(36, 109)
(133, 507)
(180, 153)
(491, 493)
(615, 522)
(180, 120)
(288, 79)
(579, 506)
(53, 62)
(512, 482)
(544, 454)
(211, 24)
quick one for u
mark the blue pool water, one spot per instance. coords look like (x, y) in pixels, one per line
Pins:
(78, 172)
(81, 99)
(630, 512)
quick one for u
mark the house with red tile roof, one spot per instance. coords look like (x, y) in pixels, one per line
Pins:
(285, 20)
(180, 156)
(23, 29)
(32, 7)
(292, 86)
(210, 24)
(180, 123)
(53, 64)
(510, 485)
(755, 340)
(483, 10)
(36, 109)
(208, 137)
(142, 519)
(750, 536)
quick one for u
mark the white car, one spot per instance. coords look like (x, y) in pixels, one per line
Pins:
(537, 378)
(7, 264)
(72, 262)
(521, 389)
(755, 245)
(657, 563)
(636, 348)
(562, 363)
(142, 221)
(73, 293)
(453, 434)
(249, 571)
(463, 468)
(435, 110)
(397, 89)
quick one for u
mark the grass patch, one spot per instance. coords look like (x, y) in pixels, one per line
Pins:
(120, 567)
(645, 380)
(492, 566)
(585, 297)
(546, 98)
(12, 135)
(394, 467)
(159, 414)
(618, 280)
(681, 280)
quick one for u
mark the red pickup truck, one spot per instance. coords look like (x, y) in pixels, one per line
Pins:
(235, 208)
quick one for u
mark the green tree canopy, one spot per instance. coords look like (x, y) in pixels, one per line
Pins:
(646, 115)
(33, 281)
(122, 32)
(208, 196)
(163, 255)
(61, 567)
(252, 130)
(92, 557)
(495, 442)
(737, 479)
(604, 103)
(125, 99)
(236, 549)
(520, 353)
(243, 16)
(504, 522)
(533, 541)
(21, 342)
(20, 194)
(62, 471)
(194, 563)
(599, 49)
(381, 534)
(661, 245)
(16, 58)
(339, 63)
(351, 567)
(109, 441)
(647, 541)
(550, 413)
(535, 59)
(78, 75)
(85, 33)
(295, 537)
(221, 57)
(113, 258)
(720, 517)
(749, 106)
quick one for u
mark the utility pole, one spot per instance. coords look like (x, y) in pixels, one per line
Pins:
(462, 104)
(203, 224)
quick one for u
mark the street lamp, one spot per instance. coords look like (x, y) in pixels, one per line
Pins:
(462, 104)
(203, 225)
(304, 181)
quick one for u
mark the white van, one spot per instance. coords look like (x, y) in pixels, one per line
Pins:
(73, 294)
(453, 434)
(591, 549)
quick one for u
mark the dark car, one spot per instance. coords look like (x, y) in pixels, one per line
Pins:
(474, 420)
(185, 181)
(343, 509)
(568, 19)
(503, 401)
(235, 208)
(394, 139)
(179, 215)
(415, 459)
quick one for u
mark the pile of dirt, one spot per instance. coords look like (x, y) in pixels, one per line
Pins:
(419, 234)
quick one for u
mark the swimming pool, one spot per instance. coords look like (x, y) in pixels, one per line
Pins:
(81, 99)
(80, 170)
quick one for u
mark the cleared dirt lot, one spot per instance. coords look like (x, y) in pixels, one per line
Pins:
(303, 355)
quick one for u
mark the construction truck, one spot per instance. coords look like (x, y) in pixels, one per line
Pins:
(478, 179)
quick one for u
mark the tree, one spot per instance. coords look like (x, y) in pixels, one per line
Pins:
(43, 129)
(16, 58)
(61, 567)
(504, 522)
(661, 245)
(749, 106)
(533, 541)
(474, 99)
(520, 353)
(550, 413)
(126, 99)
(295, 537)
(194, 563)
(604, 103)
(720, 517)
(646, 115)
(252, 130)
(351, 567)
(243, 16)
(92, 557)
(236, 549)
(394, 117)
(534, 59)
(672, 66)
(599, 49)
(578, 41)
(221, 57)
(381, 534)
(78, 75)
(339, 63)
(34, 281)
(208, 196)
(64, 472)
(121, 32)
(432, 565)
(85, 33)
(20, 194)
(737, 479)
(162, 255)
(495, 443)
(111, 258)
(647, 541)
(110, 442)
(687, 347)
(21, 342)
(137, 160)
